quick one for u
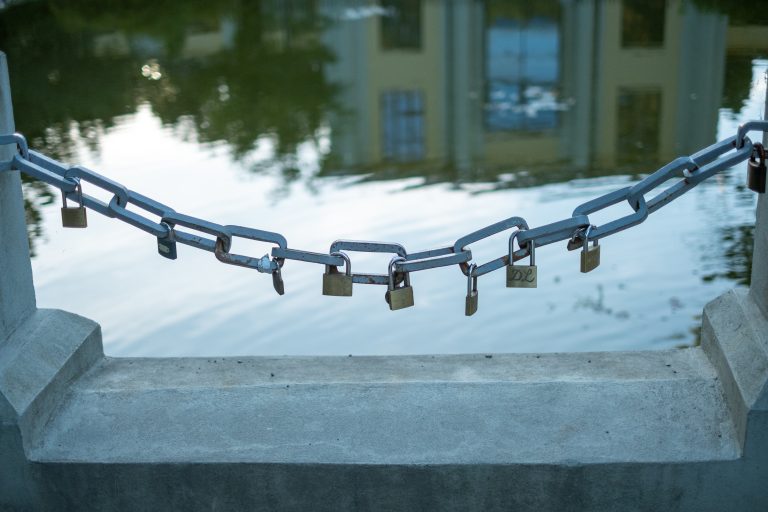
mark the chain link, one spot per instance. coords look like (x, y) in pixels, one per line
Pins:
(576, 229)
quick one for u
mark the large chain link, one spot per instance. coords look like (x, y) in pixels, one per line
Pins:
(217, 238)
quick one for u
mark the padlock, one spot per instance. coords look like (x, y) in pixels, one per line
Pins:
(74, 217)
(334, 282)
(166, 247)
(470, 305)
(277, 279)
(590, 255)
(398, 297)
(756, 170)
(521, 276)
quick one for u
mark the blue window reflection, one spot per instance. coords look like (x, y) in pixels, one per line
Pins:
(403, 125)
(522, 64)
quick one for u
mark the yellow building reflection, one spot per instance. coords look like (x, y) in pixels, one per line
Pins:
(510, 84)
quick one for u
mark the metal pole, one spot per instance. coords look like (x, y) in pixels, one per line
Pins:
(759, 287)
(17, 292)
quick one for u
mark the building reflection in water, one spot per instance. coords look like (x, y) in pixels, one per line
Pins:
(468, 85)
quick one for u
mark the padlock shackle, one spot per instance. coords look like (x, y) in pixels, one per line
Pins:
(78, 193)
(391, 272)
(471, 279)
(531, 247)
(585, 235)
(347, 263)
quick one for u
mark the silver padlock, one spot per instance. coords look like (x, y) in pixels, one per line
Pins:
(334, 282)
(398, 297)
(521, 276)
(166, 247)
(74, 216)
(470, 305)
(590, 255)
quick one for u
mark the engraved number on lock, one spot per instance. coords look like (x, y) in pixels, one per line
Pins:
(521, 276)
(334, 282)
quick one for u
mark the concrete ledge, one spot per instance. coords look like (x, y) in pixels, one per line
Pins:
(504, 409)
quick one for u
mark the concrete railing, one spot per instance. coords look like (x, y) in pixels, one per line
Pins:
(661, 430)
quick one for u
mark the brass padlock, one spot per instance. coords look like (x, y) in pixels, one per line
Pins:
(590, 255)
(470, 305)
(334, 282)
(398, 297)
(756, 170)
(521, 276)
(166, 247)
(74, 217)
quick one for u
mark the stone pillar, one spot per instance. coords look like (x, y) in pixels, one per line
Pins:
(759, 288)
(17, 293)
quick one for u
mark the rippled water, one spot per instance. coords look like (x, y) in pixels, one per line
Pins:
(414, 122)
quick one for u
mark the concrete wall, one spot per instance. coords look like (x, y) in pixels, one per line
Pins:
(662, 430)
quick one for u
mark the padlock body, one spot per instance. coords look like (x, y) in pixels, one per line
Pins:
(470, 307)
(74, 217)
(400, 298)
(522, 276)
(590, 259)
(756, 176)
(166, 248)
(277, 282)
(337, 284)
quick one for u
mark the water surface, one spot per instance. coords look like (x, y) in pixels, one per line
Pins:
(411, 122)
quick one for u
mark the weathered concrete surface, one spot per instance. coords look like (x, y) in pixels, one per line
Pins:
(38, 363)
(735, 337)
(460, 488)
(652, 407)
(606, 431)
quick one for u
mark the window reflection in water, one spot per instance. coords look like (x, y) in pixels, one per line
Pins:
(642, 23)
(522, 66)
(401, 24)
(403, 125)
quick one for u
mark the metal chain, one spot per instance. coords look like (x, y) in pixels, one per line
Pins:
(217, 238)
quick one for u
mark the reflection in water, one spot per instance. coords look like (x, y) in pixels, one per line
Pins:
(229, 71)
(508, 94)
(36, 195)
(734, 247)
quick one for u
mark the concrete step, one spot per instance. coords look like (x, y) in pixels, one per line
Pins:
(576, 408)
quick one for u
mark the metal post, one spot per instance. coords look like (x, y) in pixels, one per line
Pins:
(17, 292)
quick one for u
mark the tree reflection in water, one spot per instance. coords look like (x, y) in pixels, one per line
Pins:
(76, 66)
(735, 245)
